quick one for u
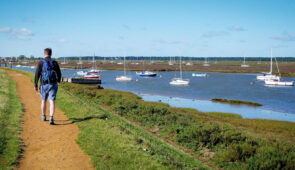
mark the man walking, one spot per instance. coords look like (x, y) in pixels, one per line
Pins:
(49, 73)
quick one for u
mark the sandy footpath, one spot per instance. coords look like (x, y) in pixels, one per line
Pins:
(47, 146)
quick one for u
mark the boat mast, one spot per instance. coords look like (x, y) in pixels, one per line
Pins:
(180, 67)
(271, 61)
(124, 67)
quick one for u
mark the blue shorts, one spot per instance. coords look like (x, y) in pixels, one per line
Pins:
(48, 91)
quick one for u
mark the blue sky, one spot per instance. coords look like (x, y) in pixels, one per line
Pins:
(145, 28)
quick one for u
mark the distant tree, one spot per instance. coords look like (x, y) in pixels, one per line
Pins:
(32, 57)
(21, 57)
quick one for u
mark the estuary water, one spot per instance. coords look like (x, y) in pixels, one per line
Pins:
(278, 102)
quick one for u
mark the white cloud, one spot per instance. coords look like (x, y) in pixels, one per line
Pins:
(5, 29)
(62, 40)
(214, 34)
(285, 37)
(238, 28)
(21, 34)
(167, 42)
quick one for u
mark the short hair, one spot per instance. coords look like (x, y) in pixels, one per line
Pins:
(48, 51)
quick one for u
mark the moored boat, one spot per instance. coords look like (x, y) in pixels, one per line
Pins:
(146, 74)
(199, 74)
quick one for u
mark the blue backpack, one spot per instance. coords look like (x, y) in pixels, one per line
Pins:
(48, 73)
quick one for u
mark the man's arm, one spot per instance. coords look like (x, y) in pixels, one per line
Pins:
(38, 73)
(58, 72)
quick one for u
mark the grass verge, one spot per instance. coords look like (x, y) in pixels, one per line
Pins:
(10, 120)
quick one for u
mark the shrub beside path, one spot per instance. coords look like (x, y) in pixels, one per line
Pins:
(47, 146)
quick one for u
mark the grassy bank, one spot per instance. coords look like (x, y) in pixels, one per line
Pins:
(226, 140)
(236, 102)
(10, 120)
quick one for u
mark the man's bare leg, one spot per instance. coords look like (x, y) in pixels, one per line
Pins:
(52, 110)
(43, 110)
(52, 107)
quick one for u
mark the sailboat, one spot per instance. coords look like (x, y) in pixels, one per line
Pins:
(81, 72)
(278, 82)
(269, 75)
(146, 73)
(124, 77)
(244, 63)
(206, 62)
(171, 63)
(94, 69)
(179, 81)
(64, 62)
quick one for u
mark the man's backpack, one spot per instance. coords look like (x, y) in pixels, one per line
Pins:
(48, 73)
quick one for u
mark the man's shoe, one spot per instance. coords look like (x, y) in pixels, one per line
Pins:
(43, 117)
(51, 121)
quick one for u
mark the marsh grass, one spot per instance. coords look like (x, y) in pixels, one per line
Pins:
(236, 102)
(226, 139)
(10, 120)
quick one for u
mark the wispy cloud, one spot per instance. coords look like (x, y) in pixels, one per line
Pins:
(285, 37)
(5, 29)
(21, 34)
(237, 28)
(167, 42)
(214, 34)
(126, 27)
(28, 20)
(62, 40)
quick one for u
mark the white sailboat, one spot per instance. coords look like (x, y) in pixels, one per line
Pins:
(244, 63)
(171, 63)
(94, 69)
(278, 82)
(124, 77)
(206, 63)
(179, 81)
(64, 62)
(80, 65)
(268, 76)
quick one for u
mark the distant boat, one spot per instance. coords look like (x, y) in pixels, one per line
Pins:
(189, 64)
(18, 66)
(94, 69)
(199, 74)
(268, 76)
(64, 62)
(33, 67)
(92, 76)
(82, 73)
(120, 63)
(206, 62)
(279, 81)
(124, 77)
(146, 74)
(179, 81)
(80, 62)
(244, 63)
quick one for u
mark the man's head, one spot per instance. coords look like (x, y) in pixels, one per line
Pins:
(47, 52)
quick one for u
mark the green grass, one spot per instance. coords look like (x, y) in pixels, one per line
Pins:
(236, 102)
(229, 139)
(113, 142)
(10, 120)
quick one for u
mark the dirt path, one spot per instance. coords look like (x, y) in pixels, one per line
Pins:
(46, 146)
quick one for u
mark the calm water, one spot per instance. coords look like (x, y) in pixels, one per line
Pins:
(278, 102)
